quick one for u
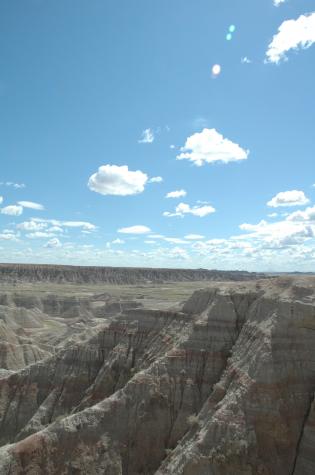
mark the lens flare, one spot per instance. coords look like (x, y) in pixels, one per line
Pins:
(216, 70)
(229, 37)
(232, 28)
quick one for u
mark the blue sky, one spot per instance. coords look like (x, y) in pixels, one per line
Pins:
(109, 106)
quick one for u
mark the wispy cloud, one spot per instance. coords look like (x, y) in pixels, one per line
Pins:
(147, 136)
(31, 205)
(194, 237)
(155, 179)
(11, 183)
(176, 194)
(37, 224)
(136, 229)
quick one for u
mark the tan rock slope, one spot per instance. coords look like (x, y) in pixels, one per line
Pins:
(223, 387)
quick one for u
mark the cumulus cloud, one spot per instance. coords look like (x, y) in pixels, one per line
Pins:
(1, 200)
(12, 210)
(245, 60)
(31, 226)
(147, 136)
(292, 34)
(295, 229)
(278, 2)
(210, 146)
(37, 224)
(117, 180)
(307, 215)
(194, 237)
(176, 194)
(156, 179)
(137, 229)
(53, 243)
(288, 198)
(8, 235)
(182, 209)
(31, 205)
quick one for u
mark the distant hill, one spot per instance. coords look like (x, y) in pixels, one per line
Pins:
(114, 275)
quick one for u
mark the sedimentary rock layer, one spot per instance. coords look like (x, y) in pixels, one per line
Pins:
(224, 387)
(113, 275)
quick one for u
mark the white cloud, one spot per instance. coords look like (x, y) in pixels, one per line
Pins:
(178, 253)
(288, 198)
(173, 240)
(156, 179)
(12, 210)
(77, 224)
(58, 229)
(117, 180)
(273, 215)
(183, 208)
(40, 235)
(14, 185)
(194, 237)
(176, 194)
(278, 2)
(292, 34)
(172, 147)
(137, 229)
(295, 229)
(31, 205)
(31, 226)
(8, 235)
(118, 241)
(147, 136)
(210, 146)
(36, 224)
(246, 60)
(307, 215)
(1, 200)
(53, 243)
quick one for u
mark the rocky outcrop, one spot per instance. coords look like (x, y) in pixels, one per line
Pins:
(225, 387)
(16, 273)
(32, 326)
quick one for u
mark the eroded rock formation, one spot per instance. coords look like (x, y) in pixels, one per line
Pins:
(114, 275)
(223, 387)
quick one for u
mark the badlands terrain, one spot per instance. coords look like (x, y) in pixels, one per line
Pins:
(156, 371)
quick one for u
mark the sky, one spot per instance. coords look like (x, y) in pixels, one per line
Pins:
(158, 133)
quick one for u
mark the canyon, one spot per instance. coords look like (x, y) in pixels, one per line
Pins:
(163, 372)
